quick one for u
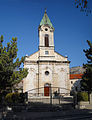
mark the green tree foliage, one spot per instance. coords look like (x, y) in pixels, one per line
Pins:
(10, 71)
(82, 96)
(83, 5)
(86, 83)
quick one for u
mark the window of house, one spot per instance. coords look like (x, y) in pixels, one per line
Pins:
(71, 82)
(46, 52)
(46, 40)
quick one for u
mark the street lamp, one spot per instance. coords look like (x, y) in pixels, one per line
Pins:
(50, 95)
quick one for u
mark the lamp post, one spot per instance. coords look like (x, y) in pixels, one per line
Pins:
(50, 95)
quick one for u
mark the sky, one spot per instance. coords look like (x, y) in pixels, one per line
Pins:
(21, 19)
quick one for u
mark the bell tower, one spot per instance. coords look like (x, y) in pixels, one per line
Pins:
(46, 37)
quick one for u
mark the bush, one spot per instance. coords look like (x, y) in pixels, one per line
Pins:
(21, 97)
(12, 97)
(8, 98)
(82, 96)
(15, 98)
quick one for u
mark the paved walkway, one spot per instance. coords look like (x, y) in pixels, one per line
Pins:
(58, 115)
(46, 112)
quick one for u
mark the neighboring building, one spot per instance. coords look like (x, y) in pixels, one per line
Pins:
(75, 81)
(47, 68)
(77, 70)
(76, 74)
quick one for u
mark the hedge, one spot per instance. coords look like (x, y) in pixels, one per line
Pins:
(15, 98)
(82, 96)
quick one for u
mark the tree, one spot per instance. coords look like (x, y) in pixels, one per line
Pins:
(10, 71)
(83, 5)
(86, 83)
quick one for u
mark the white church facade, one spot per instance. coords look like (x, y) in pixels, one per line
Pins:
(48, 71)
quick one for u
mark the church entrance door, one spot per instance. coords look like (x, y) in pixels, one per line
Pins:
(46, 89)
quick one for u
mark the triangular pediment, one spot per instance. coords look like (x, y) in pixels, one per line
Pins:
(60, 57)
(33, 57)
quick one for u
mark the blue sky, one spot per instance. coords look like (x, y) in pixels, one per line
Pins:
(21, 18)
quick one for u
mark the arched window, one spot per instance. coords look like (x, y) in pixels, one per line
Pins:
(46, 40)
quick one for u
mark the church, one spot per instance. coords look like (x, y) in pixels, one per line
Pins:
(48, 71)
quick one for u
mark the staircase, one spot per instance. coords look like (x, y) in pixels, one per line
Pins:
(39, 103)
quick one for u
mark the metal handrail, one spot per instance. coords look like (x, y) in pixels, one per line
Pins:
(51, 87)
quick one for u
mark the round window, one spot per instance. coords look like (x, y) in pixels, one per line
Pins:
(46, 29)
(46, 73)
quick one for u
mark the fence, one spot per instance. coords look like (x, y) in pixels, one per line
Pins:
(54, 95)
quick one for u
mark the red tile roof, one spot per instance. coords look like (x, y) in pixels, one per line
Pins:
(76, 76)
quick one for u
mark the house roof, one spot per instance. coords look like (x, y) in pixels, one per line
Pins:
(46, 21)
(76, 76)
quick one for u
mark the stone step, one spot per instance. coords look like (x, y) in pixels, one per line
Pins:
(42, 109)
(48, 108)
(8, 116)
(89, 107)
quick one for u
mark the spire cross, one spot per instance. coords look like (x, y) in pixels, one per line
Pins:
(45, 10)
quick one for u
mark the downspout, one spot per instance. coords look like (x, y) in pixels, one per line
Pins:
(38, 64)
(38, 73)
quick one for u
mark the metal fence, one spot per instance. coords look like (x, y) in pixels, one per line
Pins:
(55, 95)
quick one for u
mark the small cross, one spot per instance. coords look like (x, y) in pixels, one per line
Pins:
(45, 10)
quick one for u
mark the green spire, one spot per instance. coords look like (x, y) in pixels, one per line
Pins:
(46, 21)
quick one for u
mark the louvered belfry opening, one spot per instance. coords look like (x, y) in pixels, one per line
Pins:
(46, 40)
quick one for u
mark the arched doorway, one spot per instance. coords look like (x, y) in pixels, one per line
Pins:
(47, 89)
